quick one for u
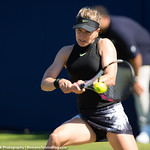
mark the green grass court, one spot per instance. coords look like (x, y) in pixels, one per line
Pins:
(13, 141)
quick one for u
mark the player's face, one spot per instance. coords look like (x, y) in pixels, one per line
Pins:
(84, 38)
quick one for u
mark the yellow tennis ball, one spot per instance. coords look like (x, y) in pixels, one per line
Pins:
(100, 87)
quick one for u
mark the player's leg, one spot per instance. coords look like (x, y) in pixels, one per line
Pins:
(122, 141)
(75, 131)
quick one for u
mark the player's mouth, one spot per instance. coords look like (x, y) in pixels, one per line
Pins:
(82, 41)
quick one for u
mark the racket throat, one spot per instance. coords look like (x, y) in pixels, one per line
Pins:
(105, 98)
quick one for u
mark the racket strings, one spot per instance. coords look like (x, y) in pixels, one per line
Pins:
(124, 83)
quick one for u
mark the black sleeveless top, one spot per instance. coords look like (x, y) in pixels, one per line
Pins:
(83, 64)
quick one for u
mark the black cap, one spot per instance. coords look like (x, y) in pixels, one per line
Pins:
(86, 24)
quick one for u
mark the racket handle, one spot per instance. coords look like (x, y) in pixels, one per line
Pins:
(81, 86)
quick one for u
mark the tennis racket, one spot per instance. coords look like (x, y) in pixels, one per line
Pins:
(125, 78)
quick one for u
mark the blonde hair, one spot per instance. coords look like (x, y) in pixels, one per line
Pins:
(89, 13)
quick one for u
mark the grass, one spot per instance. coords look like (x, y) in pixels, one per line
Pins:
(14, 141)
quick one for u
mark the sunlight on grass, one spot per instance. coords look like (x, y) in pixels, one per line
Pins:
(92, 146)
(32, 141)
(23, 139)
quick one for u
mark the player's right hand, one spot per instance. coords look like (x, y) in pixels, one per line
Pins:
(67, 87)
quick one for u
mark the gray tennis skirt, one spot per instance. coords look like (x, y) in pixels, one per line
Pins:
(108, 119)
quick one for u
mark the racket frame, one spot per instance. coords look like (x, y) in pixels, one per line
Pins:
(100, 73)
(89, 84)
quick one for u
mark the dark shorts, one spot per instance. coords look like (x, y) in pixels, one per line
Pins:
(108, 119)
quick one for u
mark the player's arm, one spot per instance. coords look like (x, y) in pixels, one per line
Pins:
(108, 55)
(53, 71)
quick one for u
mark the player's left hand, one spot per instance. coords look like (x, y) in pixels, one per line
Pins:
(75, 87)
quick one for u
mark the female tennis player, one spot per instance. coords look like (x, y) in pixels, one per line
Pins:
(95, 121)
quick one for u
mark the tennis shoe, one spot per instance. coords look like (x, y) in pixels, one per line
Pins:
(143, 137)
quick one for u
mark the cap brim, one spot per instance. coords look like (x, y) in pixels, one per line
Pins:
(84, 26)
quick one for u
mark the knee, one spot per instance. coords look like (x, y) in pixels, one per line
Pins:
(55, 140)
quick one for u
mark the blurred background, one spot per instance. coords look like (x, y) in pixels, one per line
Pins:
(31, 34)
